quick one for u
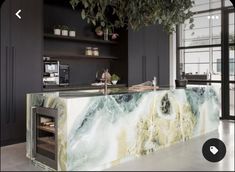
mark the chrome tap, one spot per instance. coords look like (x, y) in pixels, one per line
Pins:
(105, 82)
(154, 83)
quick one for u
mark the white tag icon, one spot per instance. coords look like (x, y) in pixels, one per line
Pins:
(213, 150)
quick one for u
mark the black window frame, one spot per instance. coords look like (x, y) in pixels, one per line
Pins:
(225, 80)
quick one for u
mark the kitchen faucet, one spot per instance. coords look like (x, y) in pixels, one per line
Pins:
(154, 83)
(105, 82)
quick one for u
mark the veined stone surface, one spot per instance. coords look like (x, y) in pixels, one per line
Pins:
(98, 132)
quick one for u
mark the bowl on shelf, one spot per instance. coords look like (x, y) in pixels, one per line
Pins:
(182, 83)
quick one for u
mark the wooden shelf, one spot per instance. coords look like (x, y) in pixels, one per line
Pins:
(47, 129)
(78, 39)
(47, 147)
(76, 56)
(48, 140)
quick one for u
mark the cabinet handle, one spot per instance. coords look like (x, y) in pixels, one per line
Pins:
(13, 84)
(144, 68)
(158, 69)
(7, 88)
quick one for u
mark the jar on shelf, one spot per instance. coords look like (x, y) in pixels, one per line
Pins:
(88, 51)
(96, 51)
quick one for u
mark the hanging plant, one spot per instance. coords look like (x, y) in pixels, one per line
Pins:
(113, 14)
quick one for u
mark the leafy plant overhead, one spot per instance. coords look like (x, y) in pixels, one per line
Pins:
(136, 14)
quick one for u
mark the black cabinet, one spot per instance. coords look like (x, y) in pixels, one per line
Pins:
(148, 55)
(21, 66)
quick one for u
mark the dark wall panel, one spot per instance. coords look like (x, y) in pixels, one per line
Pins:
(148, 55)
(22, 73)
(135, 55)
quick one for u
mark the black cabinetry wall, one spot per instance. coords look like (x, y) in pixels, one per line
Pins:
(82, 70)
(148, 55)
(21, 64)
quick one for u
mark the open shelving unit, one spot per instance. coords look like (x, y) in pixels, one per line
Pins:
(71, 50)
(57, 55)
(78, 39)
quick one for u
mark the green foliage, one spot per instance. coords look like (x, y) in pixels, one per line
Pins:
(136, 13)
(64, 27)
(114, 77)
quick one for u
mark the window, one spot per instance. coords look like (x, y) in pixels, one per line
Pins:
(202, 5)
(202, 52)
(200, 47)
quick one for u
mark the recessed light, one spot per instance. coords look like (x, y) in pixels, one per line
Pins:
(208, 17)
(217, 17)
(213, 17)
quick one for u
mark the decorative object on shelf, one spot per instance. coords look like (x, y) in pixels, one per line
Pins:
(99, 31)
(136, 14)
(114, 36)
(106, 75)
(106, 34)
(115, 78)
(72, 33)
(95, 51)
(182, 83)
(57, 30)
(88, 51)
(65, 30)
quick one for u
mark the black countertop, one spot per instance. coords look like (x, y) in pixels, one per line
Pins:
(79, 87)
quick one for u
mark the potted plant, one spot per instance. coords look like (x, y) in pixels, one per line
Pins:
(65, 30)
(115, 78)
(57, 30)
(99, 31)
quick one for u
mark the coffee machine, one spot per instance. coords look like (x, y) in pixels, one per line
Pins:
(55, 73)
(51, 73)
(64, 75)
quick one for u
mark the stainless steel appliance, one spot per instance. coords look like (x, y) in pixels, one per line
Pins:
(51, 73)
(55, 73)
(64, 74)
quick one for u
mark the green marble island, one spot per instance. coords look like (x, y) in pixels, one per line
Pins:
(97, 131)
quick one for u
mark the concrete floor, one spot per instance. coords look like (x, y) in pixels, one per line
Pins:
(181, 157)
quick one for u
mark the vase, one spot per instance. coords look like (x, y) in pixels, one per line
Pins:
(106, 34)
(114, 82)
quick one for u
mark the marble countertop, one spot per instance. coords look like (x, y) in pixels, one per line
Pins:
(123, 125)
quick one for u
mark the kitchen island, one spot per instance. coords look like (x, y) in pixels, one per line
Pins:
(93, 131)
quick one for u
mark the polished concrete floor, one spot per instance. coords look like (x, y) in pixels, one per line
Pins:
(182, 156)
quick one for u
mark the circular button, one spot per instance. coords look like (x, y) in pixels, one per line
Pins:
(214, 150)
